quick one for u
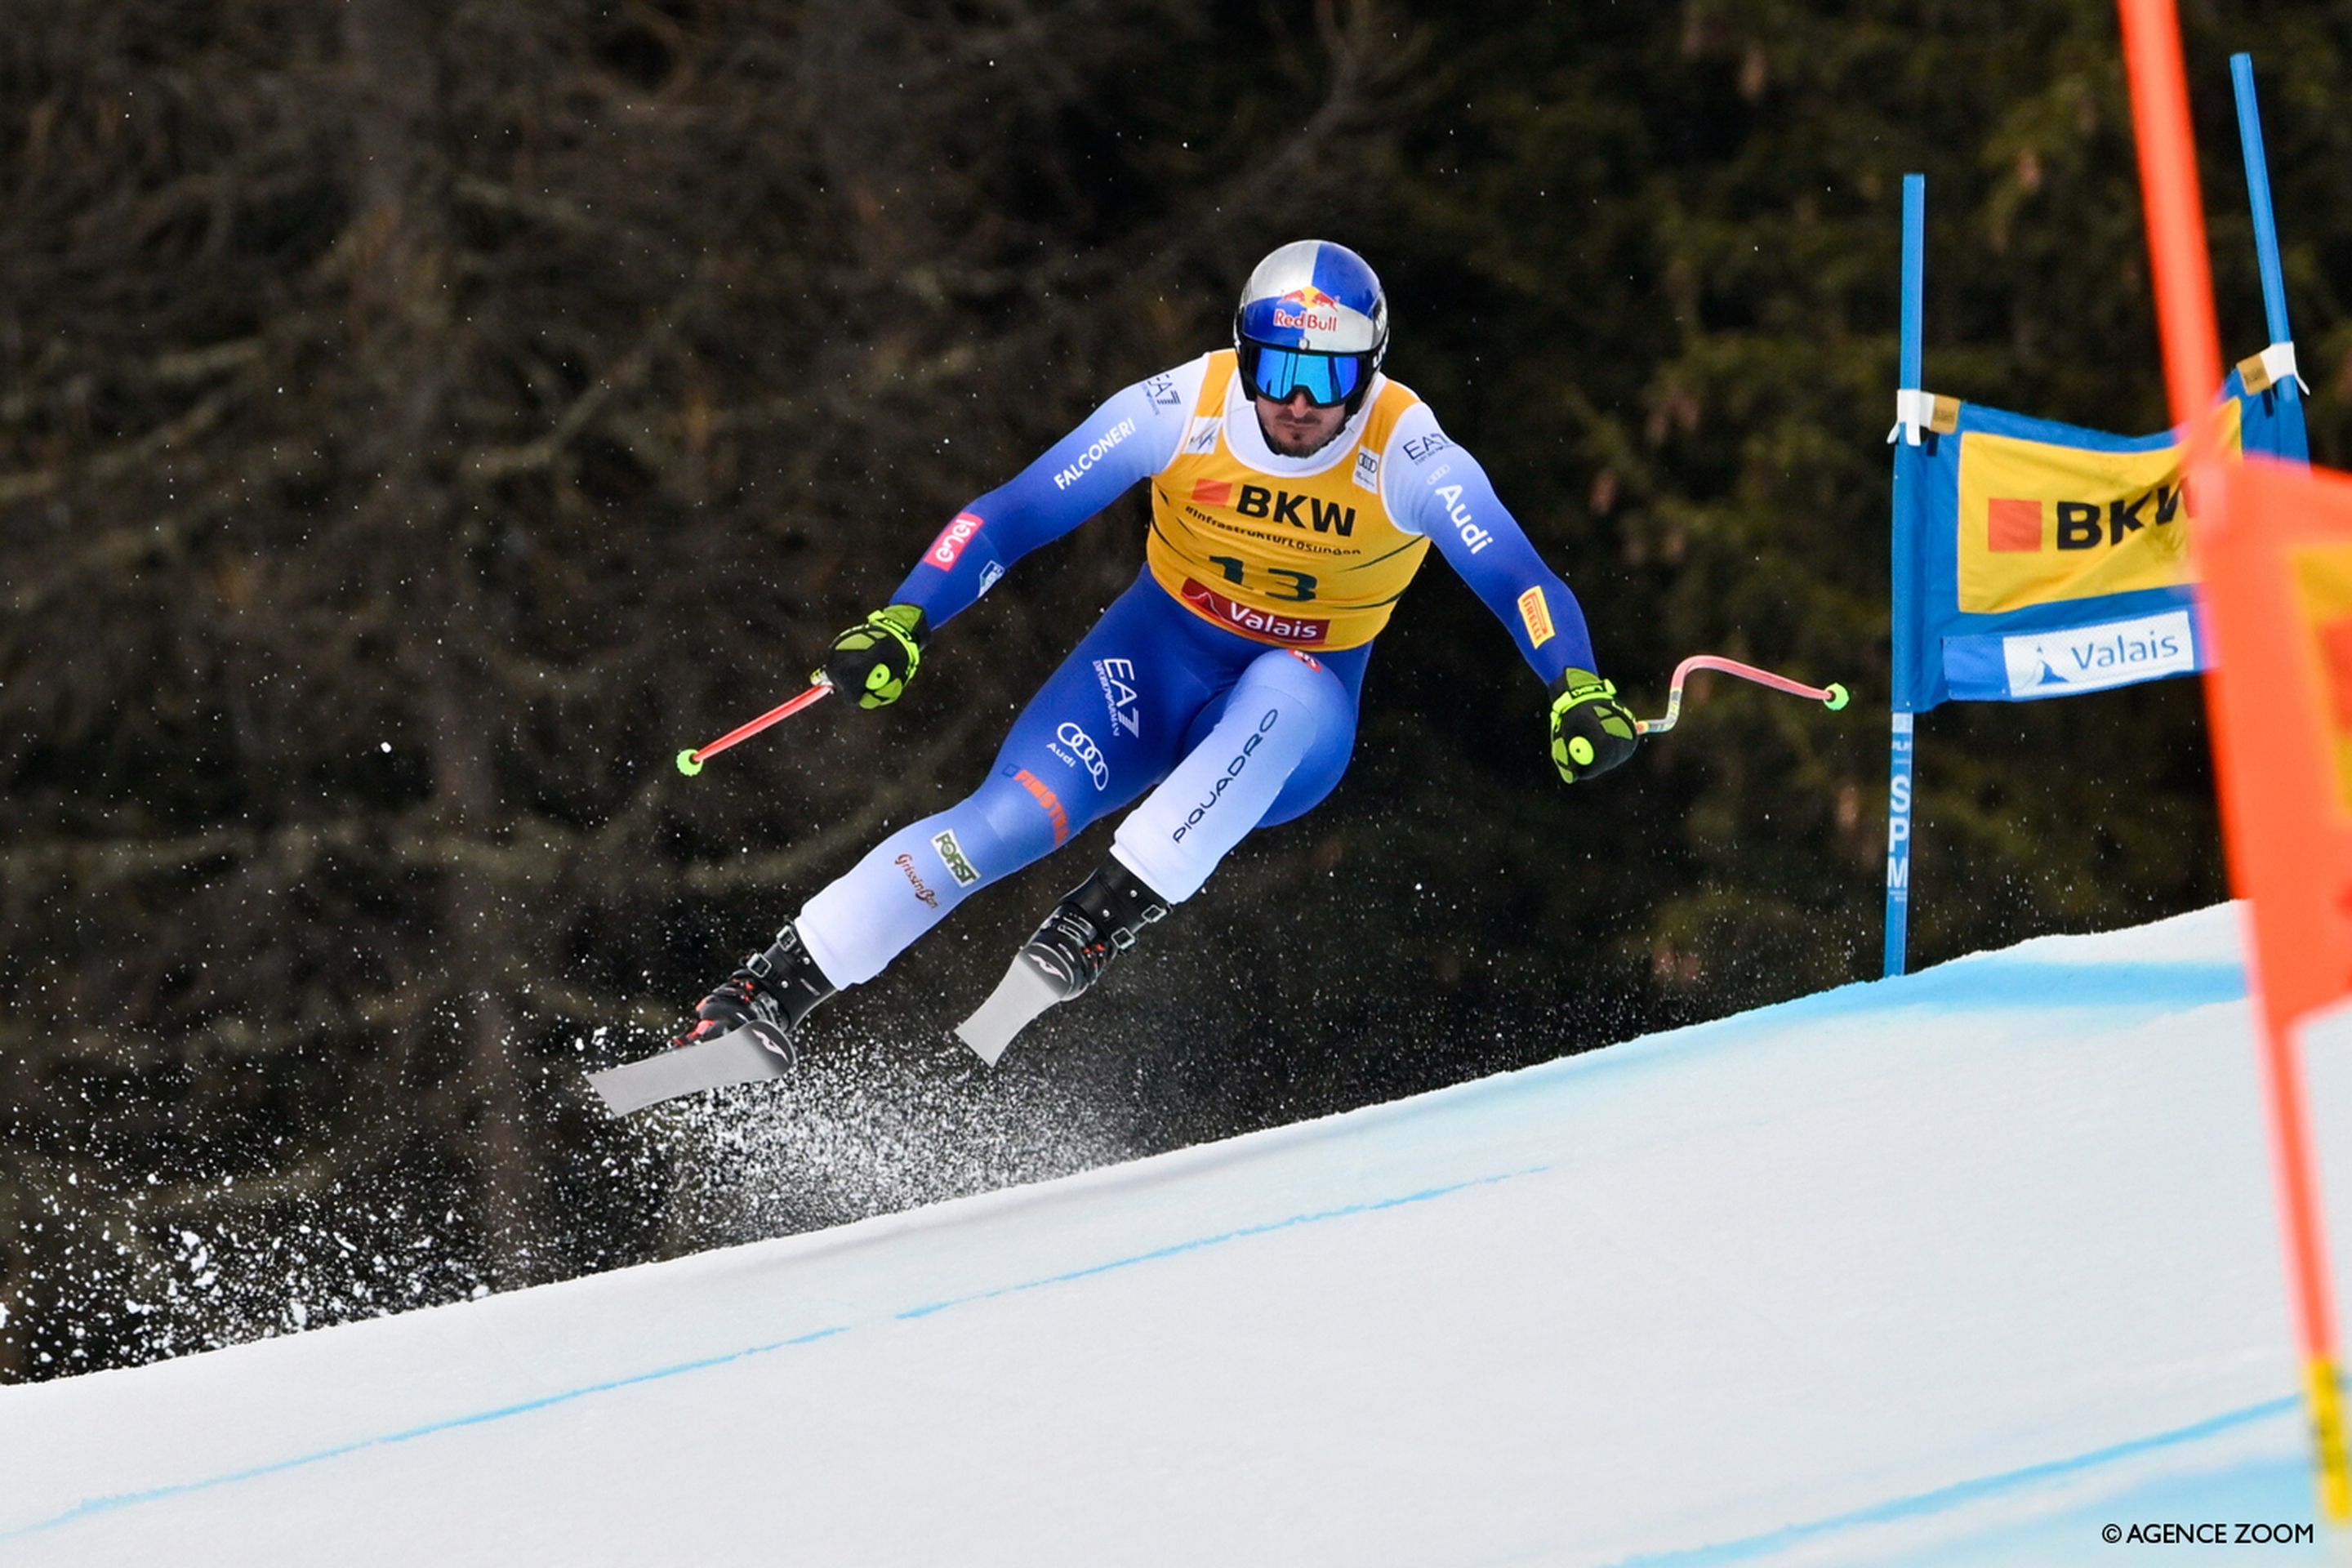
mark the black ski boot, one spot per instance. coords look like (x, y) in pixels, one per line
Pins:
(1099, 919)
(769, 995)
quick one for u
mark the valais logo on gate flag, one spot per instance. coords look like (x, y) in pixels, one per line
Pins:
(2087, 658)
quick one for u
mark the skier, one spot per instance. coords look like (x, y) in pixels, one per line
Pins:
(1294, 491)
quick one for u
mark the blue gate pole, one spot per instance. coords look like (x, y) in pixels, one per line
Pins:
(1898, 842)
(2258, 191)
(2292, 441)
(1915, 272)
(1898, 754)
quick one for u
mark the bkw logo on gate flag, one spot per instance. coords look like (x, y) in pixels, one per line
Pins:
(2042, 523)
(2034, 559)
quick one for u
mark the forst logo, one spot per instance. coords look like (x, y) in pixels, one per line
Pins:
(2015, 526)
(953, 856)
(1308, 310)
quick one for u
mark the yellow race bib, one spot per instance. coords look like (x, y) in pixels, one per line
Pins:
(1311, 560)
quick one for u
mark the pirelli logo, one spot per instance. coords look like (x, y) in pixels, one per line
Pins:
(1537, 616)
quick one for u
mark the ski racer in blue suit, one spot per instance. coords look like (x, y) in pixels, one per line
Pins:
(1295, 489)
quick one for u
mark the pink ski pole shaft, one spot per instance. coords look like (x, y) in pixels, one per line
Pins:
(690, 761)
(1832, 696)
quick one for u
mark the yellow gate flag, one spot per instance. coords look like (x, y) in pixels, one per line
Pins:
(2041, 522)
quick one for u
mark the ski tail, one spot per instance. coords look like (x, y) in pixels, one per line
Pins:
(740, 1056)
(1012, 1007)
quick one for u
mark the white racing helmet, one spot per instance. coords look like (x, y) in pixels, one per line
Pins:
(1313, 318)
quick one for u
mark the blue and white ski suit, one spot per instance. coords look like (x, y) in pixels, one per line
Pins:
(1173, 692)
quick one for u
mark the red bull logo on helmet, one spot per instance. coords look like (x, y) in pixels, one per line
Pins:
(1315, 297)
(1308, 310)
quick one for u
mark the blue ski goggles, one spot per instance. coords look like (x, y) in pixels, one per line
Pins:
(1283, 374)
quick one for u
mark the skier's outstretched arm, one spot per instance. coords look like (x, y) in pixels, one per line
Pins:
(1129, 438)
(1441, 490)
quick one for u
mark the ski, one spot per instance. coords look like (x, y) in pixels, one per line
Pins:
(732, 1058)
(1015, 1003)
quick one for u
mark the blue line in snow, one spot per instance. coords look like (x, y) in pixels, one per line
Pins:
(90, 1506)
(1343, 1212)
(1946, 1498)
(1998, 985)
(2019, 983)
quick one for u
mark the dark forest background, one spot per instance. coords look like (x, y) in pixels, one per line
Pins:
(419, 418)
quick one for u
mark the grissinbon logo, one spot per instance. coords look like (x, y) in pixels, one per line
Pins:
(2041, 522)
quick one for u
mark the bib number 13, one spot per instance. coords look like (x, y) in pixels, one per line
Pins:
(1300, 585)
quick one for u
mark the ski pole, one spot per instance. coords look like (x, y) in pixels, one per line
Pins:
(1832, 696)
(690, 761)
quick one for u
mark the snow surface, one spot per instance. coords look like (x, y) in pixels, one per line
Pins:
(1954, 1269)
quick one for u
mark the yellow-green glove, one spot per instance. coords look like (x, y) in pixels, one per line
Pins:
(1590, 729)
(874, 660)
